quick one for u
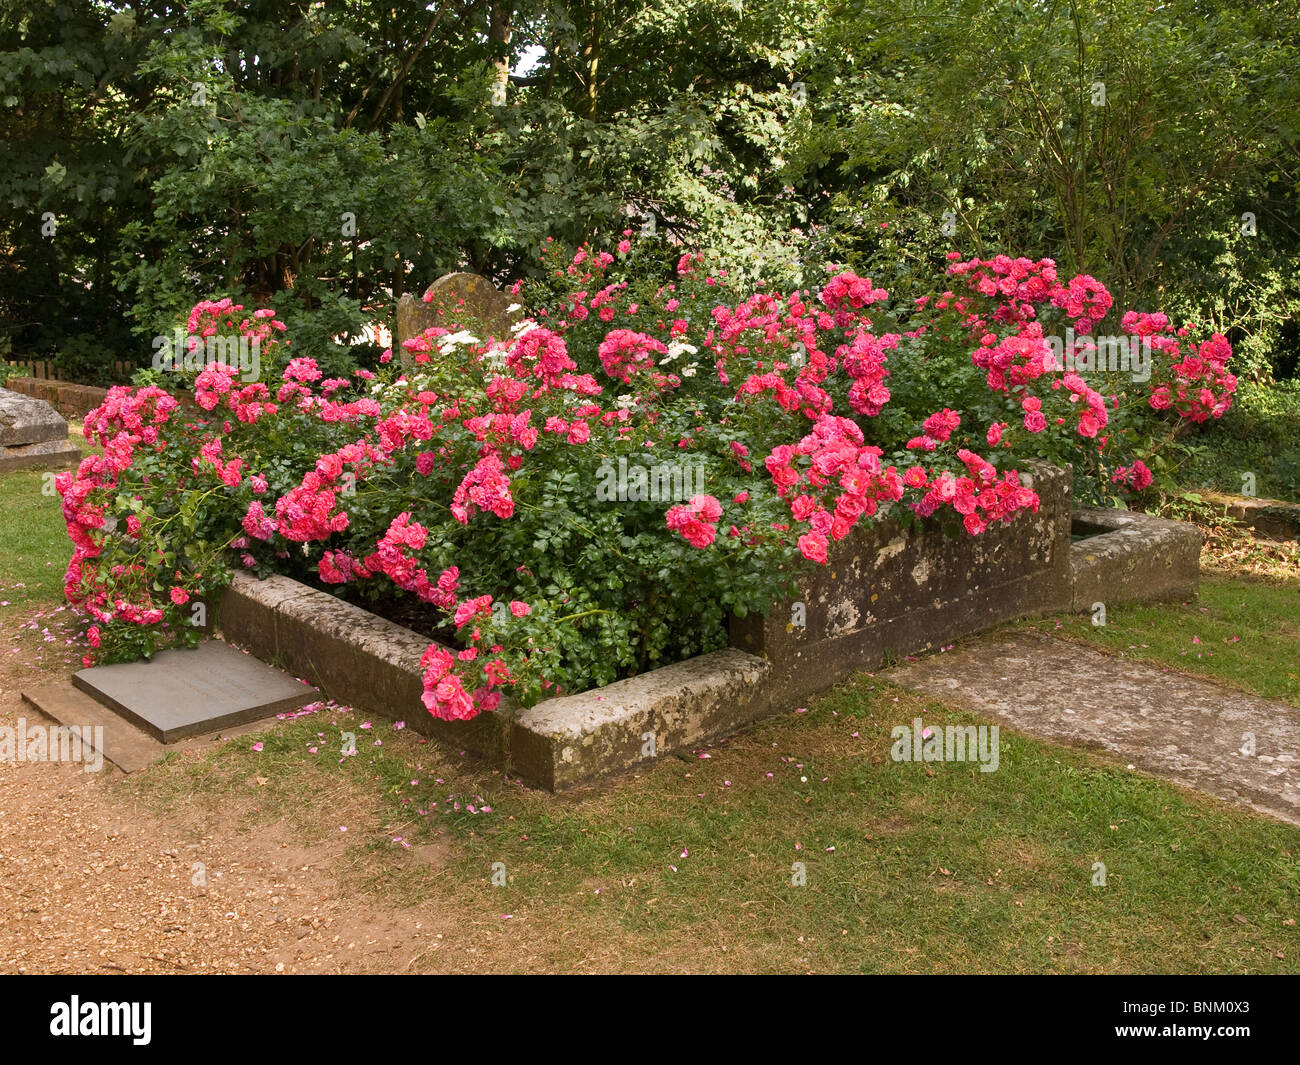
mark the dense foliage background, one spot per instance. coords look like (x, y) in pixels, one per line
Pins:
(320, 159)
(317, 160)
(326, 157)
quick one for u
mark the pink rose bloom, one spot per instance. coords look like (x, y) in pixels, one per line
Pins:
(698, 534)
(941, 425)
(813, 547)
(1139, 476)
(802, 507)
(304, 369)
(707, 507)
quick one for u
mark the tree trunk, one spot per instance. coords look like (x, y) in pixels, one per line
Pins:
(500, 29)
(591, 57)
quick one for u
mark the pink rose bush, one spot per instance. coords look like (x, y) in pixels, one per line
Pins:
(1039, 340)
(462, 479)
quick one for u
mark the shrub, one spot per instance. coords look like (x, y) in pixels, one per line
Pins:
(591, 495)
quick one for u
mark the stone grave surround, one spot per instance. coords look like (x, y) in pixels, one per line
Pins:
(33, 434)
(466, 300)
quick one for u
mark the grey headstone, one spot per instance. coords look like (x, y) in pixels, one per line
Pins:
(187, 692)
(25, 420)
(465, 300)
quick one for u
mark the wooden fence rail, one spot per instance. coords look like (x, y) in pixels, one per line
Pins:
(45, 370)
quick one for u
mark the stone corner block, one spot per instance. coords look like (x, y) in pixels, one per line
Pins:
(573, 739)
(1132, 558)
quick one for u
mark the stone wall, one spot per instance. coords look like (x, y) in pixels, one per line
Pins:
(892, 591)
(1131, 557)
(350, 654)
(1268, 519)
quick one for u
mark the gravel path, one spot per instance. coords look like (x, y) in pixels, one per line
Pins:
(91, 884)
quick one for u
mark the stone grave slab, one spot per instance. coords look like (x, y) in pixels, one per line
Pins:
(188, 692)
(1166, 723)
(125, 745)
(33, 434)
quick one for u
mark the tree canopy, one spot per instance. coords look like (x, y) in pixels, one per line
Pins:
(329, 156)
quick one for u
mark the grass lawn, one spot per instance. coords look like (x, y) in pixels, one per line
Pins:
(690, 864)
(36, 548)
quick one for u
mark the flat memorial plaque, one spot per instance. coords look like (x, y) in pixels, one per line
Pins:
(188, 692)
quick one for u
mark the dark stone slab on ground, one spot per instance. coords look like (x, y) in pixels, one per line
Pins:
(188, 692)
(126, 746)
(1191, 731)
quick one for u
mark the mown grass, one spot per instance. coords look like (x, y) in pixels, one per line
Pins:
(34, 545)
(1241, 631)
(689, 865)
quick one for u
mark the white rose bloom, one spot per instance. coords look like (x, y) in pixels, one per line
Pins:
(462, 337)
